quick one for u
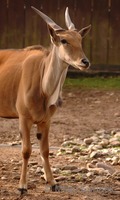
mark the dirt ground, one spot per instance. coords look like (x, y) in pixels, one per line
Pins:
(83, 113)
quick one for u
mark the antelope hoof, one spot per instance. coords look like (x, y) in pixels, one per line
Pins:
(55, 188)
(22, 191)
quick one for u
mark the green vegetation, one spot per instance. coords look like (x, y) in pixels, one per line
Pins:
(94, 82)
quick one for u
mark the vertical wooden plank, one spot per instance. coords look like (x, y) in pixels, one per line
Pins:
(100, 31)
(32, 23)
(114, 47)
(3, 24)
(82, 16)
(50, 9)
(62, 4)
(15, 23)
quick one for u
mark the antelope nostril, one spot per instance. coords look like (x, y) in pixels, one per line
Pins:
(85, 62)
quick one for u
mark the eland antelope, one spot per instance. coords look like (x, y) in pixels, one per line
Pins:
(31, 81)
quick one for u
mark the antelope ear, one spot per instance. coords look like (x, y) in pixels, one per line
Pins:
(84, 31)
(54, 37)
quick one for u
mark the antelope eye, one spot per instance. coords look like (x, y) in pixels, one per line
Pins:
(63, 41)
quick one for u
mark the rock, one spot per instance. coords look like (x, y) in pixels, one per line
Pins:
(61, 178)
(68, 143)
(72, 160)
(101, 131)
(96, 154)
(94, 161)
(3, 168)
(115, 143)
(62, 150)
(76, 149)
(67, 172)
(39, 170)
(95, 139)
(117, 114)
(33, 163)
(98, 179)
(15, 168)
(76, 171)
(83, 170)
(88, 141)
(90, 174)
(109, 168)
(69, 167)
(108, 159)
(117, 135)
(90, 148)
(68, 152)
(15, 143)
(97, 146)
(104, 143)
(59, 153)
(115, 160)
(16, 177)
(4, 178)
(116, 175)
(96, 170)
(55, 170)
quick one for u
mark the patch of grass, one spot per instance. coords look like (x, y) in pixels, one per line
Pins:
(94, 82)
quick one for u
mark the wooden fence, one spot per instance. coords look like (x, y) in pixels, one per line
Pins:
(20, 26)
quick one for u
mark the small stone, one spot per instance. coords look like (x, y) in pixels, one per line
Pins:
(62, 150)
(117, 135)
(95, 139)
(68, 143)
(59, 153)
(39, 170)
(3, 168)
(96, 147)
(15, 143)
(115, 160)
(90, 174)
(69, 167)
(109, 168)
(94, 161)
(96, 154)
(55, 170)
(67, 172)
(76, 171)
(33, 163)
(76, 149)
(83, 170)
(16, 177)
(61, 178)
(104, 143)
(116, 175)
(117, 114)
(96, 170)
(101, 131)
(108, 159)
(4, 178)
(70, 94)
(98, 179)
(72, 160)
(88, 141)
(90, 148)
(68, 152)
(115, 143)
(15, 168)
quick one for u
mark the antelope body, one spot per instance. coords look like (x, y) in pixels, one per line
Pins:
(31, 81)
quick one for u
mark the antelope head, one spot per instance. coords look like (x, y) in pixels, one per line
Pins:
(68, 42)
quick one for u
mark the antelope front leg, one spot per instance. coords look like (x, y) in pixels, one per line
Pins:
(25, 126)
(42, 136)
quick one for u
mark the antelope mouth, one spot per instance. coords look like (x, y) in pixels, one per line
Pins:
(82, 67)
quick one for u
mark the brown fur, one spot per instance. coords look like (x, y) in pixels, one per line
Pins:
(31, 81)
